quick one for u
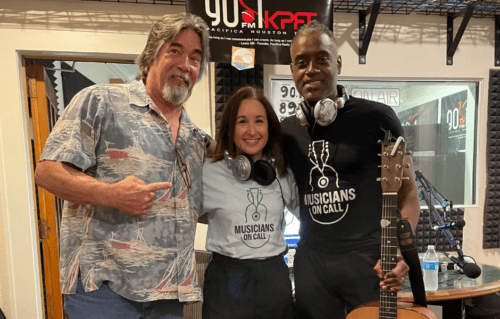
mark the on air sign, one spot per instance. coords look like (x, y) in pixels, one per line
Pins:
(390, 97)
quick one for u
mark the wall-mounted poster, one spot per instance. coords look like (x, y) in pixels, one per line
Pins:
(453, 113)
(264, 25)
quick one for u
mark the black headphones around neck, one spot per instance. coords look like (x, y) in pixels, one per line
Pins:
(325, 110)
(244, 168)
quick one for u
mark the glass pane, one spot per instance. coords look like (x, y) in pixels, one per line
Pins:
(439, 119)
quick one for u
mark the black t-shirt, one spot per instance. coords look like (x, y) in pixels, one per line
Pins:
(336, 168)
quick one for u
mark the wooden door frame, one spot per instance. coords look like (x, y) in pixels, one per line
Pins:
(47, 225)
(53, 303)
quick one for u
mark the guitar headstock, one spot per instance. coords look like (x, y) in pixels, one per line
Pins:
(393, 155)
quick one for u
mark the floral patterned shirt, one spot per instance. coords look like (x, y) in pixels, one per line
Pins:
(111, 132)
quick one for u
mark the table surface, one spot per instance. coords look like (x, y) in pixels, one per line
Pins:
(459, 286)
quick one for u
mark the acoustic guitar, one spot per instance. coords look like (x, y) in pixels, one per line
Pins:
(393, 154)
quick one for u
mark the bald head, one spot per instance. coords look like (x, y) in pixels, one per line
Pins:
(315, 63)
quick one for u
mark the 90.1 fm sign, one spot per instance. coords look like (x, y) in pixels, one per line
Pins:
(284, 97)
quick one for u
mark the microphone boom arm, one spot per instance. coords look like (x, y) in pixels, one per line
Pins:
(429, 194)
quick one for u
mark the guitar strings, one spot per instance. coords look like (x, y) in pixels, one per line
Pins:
(388, 301)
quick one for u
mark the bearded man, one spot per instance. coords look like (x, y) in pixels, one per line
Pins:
(128, 161)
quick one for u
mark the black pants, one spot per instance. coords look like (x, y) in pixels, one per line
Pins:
(328, 286)
(247, 289)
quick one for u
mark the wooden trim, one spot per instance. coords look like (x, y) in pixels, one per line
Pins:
(32, 165)
(46, 201)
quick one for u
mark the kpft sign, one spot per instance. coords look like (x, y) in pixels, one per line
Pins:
(390, 97)
(268, 26)
(250, 18)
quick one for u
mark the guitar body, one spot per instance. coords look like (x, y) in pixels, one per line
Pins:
(370, 310)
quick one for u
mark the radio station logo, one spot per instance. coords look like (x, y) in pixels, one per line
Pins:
(239, 14)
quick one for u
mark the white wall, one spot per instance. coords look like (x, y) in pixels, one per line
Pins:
(402, 47)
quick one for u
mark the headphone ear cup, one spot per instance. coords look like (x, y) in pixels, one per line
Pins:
(325, 112)
(242, 167)
(264, 173)
(302, 113)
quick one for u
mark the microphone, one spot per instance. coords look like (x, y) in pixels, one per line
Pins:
(471, 270)
(455, 224)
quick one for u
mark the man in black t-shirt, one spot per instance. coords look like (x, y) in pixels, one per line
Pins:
(331, 147)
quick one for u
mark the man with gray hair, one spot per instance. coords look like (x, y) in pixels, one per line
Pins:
(127, 160)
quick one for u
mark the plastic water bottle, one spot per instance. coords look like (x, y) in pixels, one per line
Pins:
(430, 266)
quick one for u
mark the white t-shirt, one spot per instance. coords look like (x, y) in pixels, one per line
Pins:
(245, 219)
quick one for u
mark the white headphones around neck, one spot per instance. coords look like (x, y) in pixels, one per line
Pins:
(325, 110)
(244, 168)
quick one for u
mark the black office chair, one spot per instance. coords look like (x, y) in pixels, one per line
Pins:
(484, 307)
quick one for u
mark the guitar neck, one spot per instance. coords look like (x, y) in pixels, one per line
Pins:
(388, 299)
(393, 162)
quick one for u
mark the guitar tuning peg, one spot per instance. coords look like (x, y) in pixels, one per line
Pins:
(379, 142)
(379, 154)
(408, 153)
(406, 178)
(379, 179)
(407, 165)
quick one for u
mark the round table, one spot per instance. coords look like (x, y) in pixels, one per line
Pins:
(452, 291)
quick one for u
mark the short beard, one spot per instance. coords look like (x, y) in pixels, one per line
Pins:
(176, 95)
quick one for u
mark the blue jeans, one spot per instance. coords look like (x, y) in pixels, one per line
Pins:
(106, 304)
